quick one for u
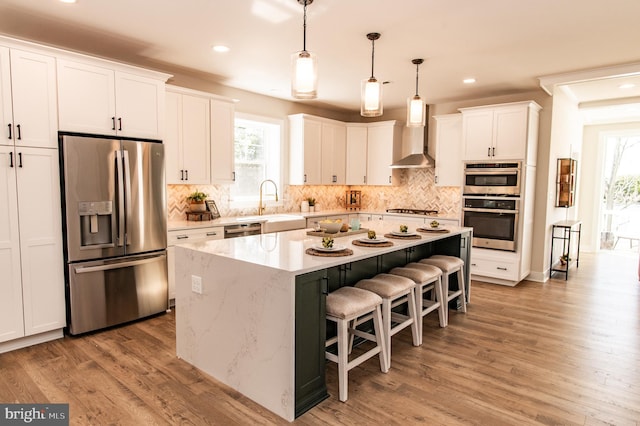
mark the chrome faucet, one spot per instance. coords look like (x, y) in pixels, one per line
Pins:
(260, 206)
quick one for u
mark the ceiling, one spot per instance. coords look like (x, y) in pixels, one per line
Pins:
(505, 44)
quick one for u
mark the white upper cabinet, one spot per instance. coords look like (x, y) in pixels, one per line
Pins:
(305, 138)
(356, 154)
(188, 139)
(501, 132)
(28, 99)
(334, 150)
(383, 148)
(222, 141)
(448, 147)
(101, 100)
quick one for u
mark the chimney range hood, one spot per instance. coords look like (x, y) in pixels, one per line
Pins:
(414, 142)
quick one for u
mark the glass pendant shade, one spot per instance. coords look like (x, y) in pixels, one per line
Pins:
(371, 98)
(416, 112)
(304, 71)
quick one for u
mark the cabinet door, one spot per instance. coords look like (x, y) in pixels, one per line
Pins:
(380, 146)
(6, 110)
(222, 142)
(196, 141)
(86, 101)
(11, 323)
(510, 133)
(41, 240)
(448, 170)
(356, 173)
(333, 153)
(310, 329)
(173, 138)
(477, 134)
(304, 150)
(33, 87)
(139, 106)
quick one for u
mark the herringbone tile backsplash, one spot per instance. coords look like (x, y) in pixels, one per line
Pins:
(416, 190)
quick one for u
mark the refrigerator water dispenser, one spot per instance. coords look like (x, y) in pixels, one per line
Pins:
(96, 221)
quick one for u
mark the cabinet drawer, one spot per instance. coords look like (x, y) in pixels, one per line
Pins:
(195, 235)
(494, 268)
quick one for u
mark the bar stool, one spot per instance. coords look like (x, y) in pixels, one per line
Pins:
(343, 306)
(449, 265)
(394, 291)
(428, 278)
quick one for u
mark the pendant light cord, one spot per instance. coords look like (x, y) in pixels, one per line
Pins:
(373, 49)
(304, 28)
(417, 66)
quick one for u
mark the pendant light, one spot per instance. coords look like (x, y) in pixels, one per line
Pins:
(416, 111)
(371, 89)
(304, 79)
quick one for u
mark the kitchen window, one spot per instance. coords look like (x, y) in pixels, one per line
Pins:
(258, 156)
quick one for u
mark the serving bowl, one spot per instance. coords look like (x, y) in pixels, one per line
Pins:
(330, 226)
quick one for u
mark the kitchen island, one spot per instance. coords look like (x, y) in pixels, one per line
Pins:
(250, 311)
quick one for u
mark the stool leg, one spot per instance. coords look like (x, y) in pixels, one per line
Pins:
(380, 339)
(386, 328)
(417, 317)
(419, 295)
(442, 309)
(445, 297)
(343, 359)
(463, 297)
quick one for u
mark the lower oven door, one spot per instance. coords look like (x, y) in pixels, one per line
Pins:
(493, 229)
(108, 292)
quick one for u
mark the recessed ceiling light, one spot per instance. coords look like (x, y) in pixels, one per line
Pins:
(220, 48)
(626, 86)
(68, 1)
(469, 80)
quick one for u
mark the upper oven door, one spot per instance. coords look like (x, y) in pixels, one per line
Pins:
(492, 179)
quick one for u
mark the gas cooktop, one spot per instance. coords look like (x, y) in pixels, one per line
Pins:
(413, 211)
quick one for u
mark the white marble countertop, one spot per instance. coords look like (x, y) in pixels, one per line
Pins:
(174, 225)
(286, 251)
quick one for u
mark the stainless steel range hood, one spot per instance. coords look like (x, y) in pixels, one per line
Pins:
(414, 142)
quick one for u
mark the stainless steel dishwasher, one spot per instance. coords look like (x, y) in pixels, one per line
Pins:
(242, 229)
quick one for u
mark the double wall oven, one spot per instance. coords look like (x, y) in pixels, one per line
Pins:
(491, 203)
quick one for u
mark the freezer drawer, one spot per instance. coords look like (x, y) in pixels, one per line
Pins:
(110, 292)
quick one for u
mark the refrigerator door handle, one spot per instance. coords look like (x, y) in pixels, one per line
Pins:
(118, 265)
(120, 183)
(127, 191)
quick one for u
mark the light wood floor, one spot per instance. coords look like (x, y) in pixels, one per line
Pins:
(559, 353)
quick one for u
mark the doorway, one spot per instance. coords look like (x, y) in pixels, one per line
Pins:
(619, 224)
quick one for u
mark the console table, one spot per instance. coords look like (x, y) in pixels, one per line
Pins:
(564, 232)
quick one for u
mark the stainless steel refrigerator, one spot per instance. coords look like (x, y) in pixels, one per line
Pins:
(115, 229)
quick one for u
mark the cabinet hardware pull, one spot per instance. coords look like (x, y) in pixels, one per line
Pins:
(11, 159)
(119, 123)
(19, 132)
(364, 179)
(389, 179)
(489, 152)
(182, 237)
(474, 264)
(305, 178)
(211, 234)
(181, 174)
(233, 176)
(334, 178)
(501, 268)
(186, 173)
(9, 131)
(436, 179)
(113, 123)
(20, 159)
(493, 151)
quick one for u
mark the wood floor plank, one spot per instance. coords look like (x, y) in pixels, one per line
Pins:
(555, 353)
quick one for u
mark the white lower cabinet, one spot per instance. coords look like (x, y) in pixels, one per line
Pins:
(186, 236)
(496, 265)
(32, 299)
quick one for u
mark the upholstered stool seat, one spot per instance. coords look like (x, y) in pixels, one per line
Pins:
(450, 265)
(394, 291)
(344, 306)
(428, 281)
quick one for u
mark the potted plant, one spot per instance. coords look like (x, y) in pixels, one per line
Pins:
(312, 203)
(196, 201)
